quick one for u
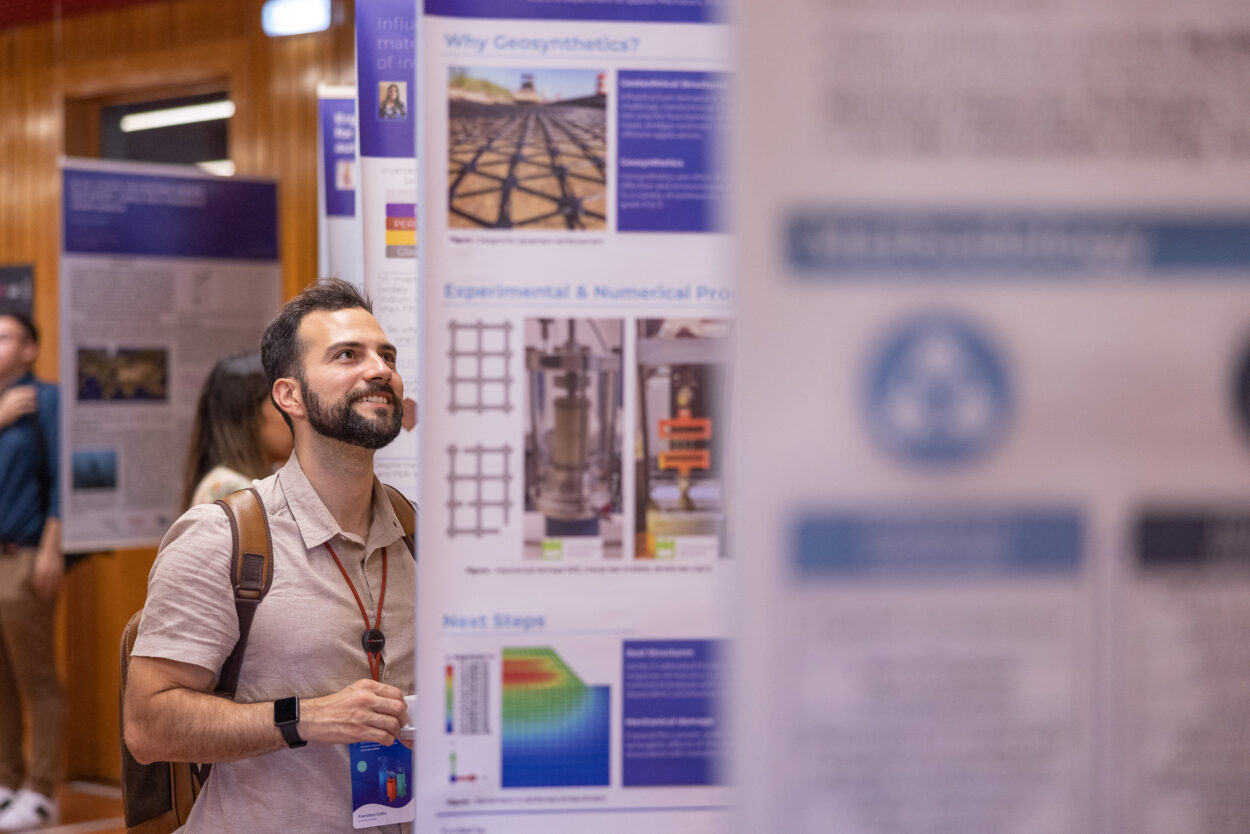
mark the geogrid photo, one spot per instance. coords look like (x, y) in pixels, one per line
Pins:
(527, 149)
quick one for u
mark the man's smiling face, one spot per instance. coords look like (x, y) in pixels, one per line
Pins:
(349, 384)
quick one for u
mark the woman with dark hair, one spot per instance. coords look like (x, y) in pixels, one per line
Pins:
(391, 107)
(239, 435)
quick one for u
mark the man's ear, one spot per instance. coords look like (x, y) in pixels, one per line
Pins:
(287, 395)
(29, 352)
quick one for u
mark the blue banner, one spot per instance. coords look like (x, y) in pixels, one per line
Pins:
(338, 158)
(114, 213)
(386, 61)
(846, 244)
(639, 11)
(931, 546)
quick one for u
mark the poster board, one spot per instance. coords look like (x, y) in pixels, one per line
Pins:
(339, 229)
(578, 322)
(1003, 262)
(17, 288)
(386, 61)
(163, 271)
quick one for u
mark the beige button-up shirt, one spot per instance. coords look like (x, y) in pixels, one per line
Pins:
(305, 641)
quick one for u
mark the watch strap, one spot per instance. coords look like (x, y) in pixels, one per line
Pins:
(290, 727)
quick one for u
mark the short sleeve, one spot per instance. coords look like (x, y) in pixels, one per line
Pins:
(190, 614)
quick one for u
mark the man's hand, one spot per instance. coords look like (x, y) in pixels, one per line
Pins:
(15, 403)
(49, 572)
(364, 711)
(49, 567)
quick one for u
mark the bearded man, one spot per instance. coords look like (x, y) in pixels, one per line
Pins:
(309, 686)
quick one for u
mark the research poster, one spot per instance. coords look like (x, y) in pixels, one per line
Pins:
(17, 288)
(386, 60)
(163, 272)
(340, 232)
(578, 326)
(993, 364)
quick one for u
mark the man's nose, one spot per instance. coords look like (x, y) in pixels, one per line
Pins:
(379, 368)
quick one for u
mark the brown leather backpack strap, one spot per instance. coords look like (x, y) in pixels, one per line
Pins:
(251, 572)
(406, 515)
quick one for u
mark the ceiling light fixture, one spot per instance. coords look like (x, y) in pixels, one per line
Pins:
(220, 167)
(212, 111)
(294, 17)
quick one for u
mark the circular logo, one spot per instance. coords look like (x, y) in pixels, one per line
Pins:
(938, 392)
(361, 767)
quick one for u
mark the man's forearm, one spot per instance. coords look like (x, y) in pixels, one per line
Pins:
(49, 561)
(183, 725)
(50, 539)
(170, 715)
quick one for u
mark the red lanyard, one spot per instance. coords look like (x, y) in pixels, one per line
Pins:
(373, 640)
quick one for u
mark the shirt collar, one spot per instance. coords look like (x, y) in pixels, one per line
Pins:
(316, 524)
(27, 378)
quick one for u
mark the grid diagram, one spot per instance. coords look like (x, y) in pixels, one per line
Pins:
(555, 727)
(478, 503)
(537, 166)
(480, 358)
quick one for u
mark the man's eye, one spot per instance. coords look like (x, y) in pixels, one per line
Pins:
(345, 354)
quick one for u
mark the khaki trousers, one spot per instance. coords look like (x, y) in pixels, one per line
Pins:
(29, 685)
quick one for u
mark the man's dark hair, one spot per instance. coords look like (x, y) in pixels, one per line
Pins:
(32, 332)
(280, 349)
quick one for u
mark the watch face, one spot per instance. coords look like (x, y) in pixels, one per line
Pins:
(285, 711)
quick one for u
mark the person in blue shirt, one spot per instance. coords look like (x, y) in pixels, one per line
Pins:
(32, 567)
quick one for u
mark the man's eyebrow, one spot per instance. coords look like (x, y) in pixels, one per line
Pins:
(337, 346)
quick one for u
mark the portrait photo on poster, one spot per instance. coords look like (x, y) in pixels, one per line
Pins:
(393, 100)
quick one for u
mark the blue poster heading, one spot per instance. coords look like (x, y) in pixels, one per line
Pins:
(386, 61)
(839, 244)
(338, 143)
(935, 546)
(638, 11)
(116, 213)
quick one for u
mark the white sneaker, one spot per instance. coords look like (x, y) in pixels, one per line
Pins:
(6, 797)
(29, 810)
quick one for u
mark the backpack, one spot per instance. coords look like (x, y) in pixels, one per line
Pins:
(157, 797)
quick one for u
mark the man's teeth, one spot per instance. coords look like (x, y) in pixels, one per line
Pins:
(381, 399)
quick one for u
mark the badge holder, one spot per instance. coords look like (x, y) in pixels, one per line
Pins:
(383, 777)
(382, 784)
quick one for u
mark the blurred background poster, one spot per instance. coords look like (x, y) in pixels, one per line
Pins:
(339, 231)
(386, 72)
(163, 272)
(994, 365)
(17, 288)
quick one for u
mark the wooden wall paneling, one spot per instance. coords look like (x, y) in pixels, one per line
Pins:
(30, 142)
(273, 134)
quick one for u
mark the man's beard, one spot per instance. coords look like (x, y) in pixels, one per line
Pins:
(343, 422)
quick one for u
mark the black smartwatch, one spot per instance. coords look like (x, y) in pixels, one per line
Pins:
(286, 719)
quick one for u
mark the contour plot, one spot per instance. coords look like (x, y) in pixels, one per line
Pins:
(555, 727)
